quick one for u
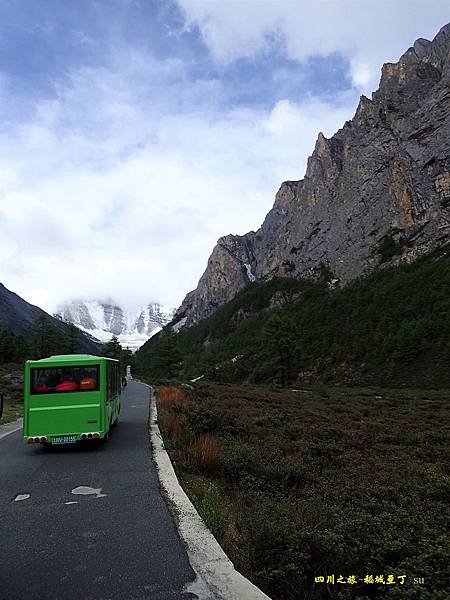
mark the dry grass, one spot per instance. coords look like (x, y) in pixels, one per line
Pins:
(168, 395)
(200, 451)
(171, 401)
(205, 453)
(173, 425)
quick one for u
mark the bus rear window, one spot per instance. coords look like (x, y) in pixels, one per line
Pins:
(64, 379)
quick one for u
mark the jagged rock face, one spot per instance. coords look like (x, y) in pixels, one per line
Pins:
(375, 194)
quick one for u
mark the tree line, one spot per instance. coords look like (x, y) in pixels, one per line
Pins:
(43, 339)
(389, 327)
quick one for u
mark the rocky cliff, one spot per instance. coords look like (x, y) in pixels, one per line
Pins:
(377, 193)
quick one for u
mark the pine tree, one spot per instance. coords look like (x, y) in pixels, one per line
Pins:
(279, 346)
(46, 340)
(166, 358)
(113, 348)
(74, 339)
(13, 348)
(126, 358)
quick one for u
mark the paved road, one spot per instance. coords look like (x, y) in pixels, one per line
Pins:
(118, 543)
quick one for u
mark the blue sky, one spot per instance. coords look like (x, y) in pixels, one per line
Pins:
(42, 41)
(134, 133)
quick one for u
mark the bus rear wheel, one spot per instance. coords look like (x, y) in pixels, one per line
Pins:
(105, 438)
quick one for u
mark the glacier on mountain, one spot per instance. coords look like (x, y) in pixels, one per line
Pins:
(105, 319)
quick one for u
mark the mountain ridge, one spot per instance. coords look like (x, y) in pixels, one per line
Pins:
(103, 319)
(377, 193)
(18, 315)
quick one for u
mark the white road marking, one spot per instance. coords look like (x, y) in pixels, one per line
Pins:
(20, 497)
(73, 502)
(10, 428)
(85, 490)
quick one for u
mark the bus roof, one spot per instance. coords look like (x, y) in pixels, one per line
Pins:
(72, 358)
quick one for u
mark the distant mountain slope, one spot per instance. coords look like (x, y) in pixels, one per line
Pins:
(376, 194)
(18, 315)
(105, 319)
(389, 329)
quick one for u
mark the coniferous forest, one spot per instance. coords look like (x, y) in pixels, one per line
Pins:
(388, 328)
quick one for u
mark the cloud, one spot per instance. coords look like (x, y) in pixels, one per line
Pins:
(368, 32)
(118, 176)
(106, 193)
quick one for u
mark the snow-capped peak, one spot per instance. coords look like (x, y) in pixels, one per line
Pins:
(103, 320)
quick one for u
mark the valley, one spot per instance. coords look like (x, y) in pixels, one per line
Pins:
(280, 431)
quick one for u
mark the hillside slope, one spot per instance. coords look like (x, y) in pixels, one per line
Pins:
(390, 328)
(376, 194)
(18, 315)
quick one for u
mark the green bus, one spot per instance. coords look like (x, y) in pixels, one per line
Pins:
(69, 398)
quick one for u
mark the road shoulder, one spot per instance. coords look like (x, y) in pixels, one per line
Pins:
(9, 428)
(216, 576)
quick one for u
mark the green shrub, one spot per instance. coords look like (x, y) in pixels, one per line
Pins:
(326, 481)
(208, 419)
(212, 506)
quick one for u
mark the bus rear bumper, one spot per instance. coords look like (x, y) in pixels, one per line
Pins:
(65, 438)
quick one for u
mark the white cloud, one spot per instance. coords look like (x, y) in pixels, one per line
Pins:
(121, 184)
(105, 193)
(367, 32)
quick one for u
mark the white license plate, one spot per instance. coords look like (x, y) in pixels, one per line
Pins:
(64, 439)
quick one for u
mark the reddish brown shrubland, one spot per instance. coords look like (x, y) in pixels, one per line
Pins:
(296, 483)
(170, 400)
(173, 426)
(201, 451)
(168, 395)
(205, 453)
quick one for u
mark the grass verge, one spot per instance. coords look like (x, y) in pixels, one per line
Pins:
(11, 385)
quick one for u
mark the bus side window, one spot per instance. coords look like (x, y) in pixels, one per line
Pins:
(88, 383)
(111, 386)
(114, 380)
